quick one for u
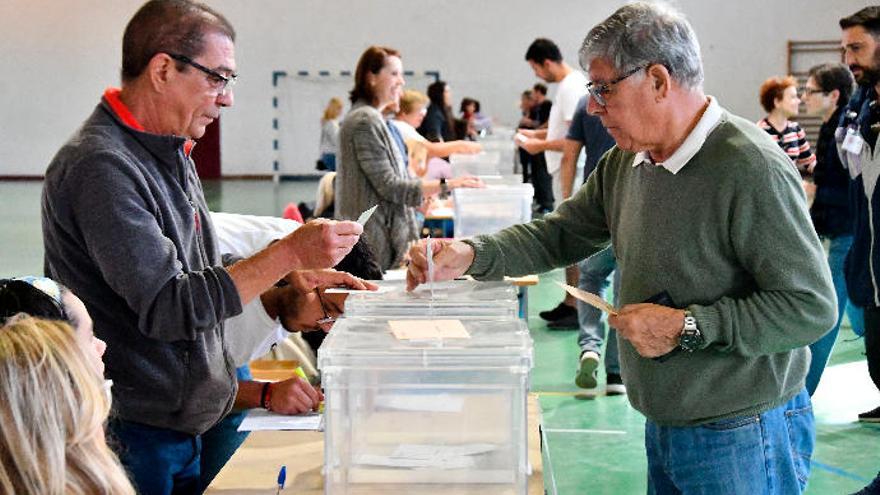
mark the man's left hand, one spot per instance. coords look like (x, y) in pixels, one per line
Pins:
(532, 145)
(652, 329)
(309, 280)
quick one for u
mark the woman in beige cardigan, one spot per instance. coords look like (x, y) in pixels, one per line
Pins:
(371, 169)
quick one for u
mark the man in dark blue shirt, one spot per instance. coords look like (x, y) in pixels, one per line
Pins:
(587, 132)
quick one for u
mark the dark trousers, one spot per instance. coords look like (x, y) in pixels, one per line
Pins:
(223, 439)
(872, 343)
(525, 161)
(158, 461)
(543, 182)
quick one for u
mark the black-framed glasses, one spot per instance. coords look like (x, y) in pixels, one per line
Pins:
(219, 83)
(327, 318)
(598, 91)
(810, 91)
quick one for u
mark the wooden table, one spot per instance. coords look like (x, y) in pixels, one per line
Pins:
(253, 469)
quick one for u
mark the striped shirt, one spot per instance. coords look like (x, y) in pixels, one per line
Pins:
(793, 141)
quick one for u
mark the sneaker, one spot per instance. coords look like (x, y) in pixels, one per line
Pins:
(586, 375)
(873, 487)
(565, 323)
(560, 311)
(872, 416)
(614, 385)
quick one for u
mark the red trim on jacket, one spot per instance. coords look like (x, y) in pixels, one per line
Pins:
(112, 96)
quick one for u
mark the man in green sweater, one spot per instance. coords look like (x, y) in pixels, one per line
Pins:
(708, 220)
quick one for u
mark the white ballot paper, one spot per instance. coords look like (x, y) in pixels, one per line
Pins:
(429, 456)
(383, 289)
(365, 216)
(260, 420)
(430, 255)
(589, 298)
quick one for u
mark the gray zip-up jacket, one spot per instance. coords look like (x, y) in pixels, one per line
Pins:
(126, 228)
(370, 171)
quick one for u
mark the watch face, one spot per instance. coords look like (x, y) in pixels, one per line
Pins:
(691, 340)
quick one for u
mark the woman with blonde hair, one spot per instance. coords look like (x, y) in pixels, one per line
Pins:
(413, 108)
(52, 414)
(330, 133)
(324, 206)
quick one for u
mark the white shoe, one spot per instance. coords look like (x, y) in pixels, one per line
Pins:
(586, 374)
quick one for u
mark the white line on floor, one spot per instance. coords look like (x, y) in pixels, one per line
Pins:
(598, 432)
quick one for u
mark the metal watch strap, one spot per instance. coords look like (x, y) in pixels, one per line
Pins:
(690, 338)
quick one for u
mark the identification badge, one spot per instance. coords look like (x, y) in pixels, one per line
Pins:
(852, 142)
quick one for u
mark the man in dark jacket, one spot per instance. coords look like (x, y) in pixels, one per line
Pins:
(826, 94)
(856, 143)
(126, 228)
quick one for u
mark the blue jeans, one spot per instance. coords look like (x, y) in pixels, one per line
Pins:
(223, 439)
(158, 461)
(595, 274)
(767, 453)
(821, 349)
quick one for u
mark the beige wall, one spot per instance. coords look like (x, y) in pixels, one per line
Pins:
(57, 57)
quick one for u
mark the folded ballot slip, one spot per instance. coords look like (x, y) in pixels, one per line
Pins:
(383, 289)
(589, 298)
(365, 216)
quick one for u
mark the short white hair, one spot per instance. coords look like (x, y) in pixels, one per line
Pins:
(644, 33)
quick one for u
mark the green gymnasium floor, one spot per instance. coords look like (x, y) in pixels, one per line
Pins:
(592, 445)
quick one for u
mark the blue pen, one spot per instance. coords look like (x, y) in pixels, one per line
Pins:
(282, 477)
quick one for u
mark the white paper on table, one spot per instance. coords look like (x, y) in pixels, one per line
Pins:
(260, 420)
(447, 403)
(589, 298)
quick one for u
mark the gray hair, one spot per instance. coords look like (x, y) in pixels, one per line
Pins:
(644, 33)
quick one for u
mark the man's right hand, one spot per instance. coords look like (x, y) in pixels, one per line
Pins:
(451, 260)
(294, 396)
(322, 243)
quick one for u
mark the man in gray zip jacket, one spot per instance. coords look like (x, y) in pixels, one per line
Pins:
(126, 227)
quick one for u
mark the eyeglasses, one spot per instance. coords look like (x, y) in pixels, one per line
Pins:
(811, 91)
(219, 83)
(327, 318)
(598, 91)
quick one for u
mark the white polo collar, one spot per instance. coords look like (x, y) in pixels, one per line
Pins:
(692, 143)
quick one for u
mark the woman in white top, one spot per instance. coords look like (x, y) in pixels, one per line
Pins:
(330, 133)
(413, 107)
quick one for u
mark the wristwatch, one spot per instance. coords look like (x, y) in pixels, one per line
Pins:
(444, 188)
(691, 339)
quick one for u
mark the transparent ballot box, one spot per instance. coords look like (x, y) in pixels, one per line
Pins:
(425, 413)
(486, 211)
(454, 298)
(484, 163)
